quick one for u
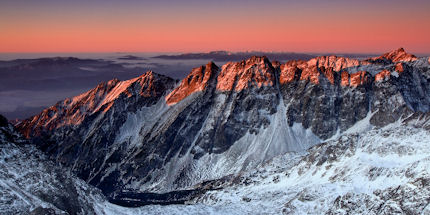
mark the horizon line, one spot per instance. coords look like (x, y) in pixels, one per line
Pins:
(198, 52)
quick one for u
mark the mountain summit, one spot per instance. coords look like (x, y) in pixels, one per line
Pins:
(197, 80)
(397, 56)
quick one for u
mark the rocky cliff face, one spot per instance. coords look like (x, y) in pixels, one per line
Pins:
(149, 134)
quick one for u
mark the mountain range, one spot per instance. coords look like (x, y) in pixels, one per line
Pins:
(224, 56)
(247, 125)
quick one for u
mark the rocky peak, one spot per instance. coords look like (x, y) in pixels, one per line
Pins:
(334, 62)
(152, 84)
(327, 66)
(257, 60)
(234, 76)
(72, 111)
(289, 71)
(148, 84)
(196, 81)
(396, 56)
(311, 70)
(255, 72)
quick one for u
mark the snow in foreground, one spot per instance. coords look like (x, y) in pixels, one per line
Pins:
(382, 171)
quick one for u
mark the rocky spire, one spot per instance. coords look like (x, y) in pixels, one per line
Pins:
(254, 72)
(196, 81)
(397, 55)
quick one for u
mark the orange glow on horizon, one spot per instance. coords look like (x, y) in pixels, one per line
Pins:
(309, 31)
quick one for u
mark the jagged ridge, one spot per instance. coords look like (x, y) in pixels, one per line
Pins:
(73, 111)
(219, 122)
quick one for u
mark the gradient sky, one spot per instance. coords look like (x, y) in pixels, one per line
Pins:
(192, 25)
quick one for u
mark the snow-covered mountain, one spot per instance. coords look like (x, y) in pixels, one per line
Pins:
(30, 183)
(154, 134)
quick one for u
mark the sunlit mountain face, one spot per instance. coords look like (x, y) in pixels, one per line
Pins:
(214, 107)
(33, 81)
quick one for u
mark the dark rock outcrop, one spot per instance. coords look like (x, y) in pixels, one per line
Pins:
(3, 121)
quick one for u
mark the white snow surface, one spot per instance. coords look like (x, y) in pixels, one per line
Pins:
(361, 167)
(371, 171)
(29, 180)
(396, 155)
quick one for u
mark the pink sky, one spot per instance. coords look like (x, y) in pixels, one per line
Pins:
(135, 26)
